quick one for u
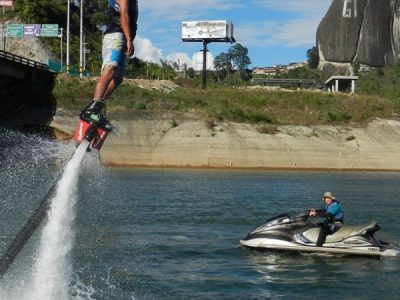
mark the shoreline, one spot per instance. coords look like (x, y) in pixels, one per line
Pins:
(266, 169)
(157, 143)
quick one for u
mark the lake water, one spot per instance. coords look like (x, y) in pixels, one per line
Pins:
(174, 233)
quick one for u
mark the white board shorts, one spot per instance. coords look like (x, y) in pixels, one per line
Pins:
(113, 52)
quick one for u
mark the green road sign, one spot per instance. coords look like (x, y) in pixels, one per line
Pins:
(15, 30)
(49, 30)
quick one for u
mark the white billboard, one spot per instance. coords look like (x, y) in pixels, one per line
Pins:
(207, 30)
(6, 3)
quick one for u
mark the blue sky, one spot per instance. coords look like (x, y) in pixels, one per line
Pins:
(274, 31)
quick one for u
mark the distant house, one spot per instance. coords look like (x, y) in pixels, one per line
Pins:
(269, 71)
(274, 70)
(296, 65)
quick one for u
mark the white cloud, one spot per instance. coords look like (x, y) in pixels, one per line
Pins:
(198, 61)
(181, 59)
(145, 50)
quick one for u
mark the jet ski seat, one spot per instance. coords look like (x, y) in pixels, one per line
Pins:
(344, 232)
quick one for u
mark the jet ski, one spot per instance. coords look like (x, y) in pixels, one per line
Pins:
(299, 234)
(94, 128)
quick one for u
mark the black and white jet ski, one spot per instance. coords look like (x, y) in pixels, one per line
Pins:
(299, 234)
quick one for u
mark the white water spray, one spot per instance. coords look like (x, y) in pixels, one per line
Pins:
(52, 270)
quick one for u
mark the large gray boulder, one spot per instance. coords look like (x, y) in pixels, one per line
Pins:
(366, 32)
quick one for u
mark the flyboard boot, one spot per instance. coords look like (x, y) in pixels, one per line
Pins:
(93, 125)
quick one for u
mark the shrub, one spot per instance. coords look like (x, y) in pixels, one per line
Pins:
(350, 138)
(140, 106)
(267, 129)
(174, 123)
(339, 117)
(210, 123)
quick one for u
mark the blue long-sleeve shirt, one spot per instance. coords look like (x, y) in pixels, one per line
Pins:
(333, 212)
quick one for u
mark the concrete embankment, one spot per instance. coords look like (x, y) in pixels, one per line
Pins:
(162, 142)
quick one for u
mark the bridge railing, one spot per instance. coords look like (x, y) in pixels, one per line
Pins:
(278, 81)
(23, 60)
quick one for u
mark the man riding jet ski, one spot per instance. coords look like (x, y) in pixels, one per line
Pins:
(298, 234)
(333, 215)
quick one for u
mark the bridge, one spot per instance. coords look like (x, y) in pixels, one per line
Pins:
(26, 92)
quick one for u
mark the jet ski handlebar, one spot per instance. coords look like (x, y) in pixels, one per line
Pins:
(301, 216)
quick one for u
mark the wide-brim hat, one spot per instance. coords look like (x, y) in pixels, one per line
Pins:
(328, 195)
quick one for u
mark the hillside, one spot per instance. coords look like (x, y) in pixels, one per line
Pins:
(237, 104)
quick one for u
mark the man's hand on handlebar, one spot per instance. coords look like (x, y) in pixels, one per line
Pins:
(312, 212)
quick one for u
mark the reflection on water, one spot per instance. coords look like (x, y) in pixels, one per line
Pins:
(288, 271)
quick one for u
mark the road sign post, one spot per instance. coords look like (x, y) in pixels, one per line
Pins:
(2, 37)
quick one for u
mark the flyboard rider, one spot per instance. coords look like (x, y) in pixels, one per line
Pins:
(333, 215)
(117, 43)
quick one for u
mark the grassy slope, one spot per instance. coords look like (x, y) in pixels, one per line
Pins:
(378, 96)
(384, 82)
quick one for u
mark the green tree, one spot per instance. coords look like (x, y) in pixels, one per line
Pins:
(313, 57)
(40, 11)
(135, 68)
(167, 71)
(240, 58)
(191, 73)
(223, 65)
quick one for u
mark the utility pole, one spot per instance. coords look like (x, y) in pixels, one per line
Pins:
(1, 37)
(61, 46)
(68, 21)
(84, 52)
(81, 44)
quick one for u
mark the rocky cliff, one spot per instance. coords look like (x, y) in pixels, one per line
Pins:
(366, 32)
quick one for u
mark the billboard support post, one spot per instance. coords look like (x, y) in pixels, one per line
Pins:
(6, 3)
(207, 32)
(204, 74)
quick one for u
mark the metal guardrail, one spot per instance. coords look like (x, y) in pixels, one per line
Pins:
(278, 81)
(23, 60)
